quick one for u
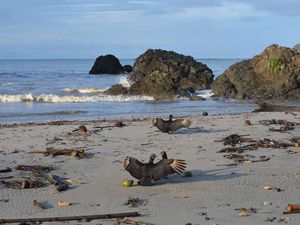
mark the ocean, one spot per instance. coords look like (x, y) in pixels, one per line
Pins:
(62, 89)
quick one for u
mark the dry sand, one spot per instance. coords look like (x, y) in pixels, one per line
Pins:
(212, 193)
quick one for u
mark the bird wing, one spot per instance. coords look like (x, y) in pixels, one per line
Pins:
(161, 124)
(180, 123)
(134, 167)
(167, 166)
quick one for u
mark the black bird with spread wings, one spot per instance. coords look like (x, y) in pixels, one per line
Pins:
(170, 125)
(146, 173)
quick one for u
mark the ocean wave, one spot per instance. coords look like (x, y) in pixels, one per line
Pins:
(60, 113)
(6, 84)
(124, 81)
(84, 90)
(206, 93)
(50, 98)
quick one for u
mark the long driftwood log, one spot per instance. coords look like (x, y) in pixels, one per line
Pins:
(69, 218)
(267, 107)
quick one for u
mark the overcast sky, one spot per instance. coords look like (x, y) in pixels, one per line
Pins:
(126, 28)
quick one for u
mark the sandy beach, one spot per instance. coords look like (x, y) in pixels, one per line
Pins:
(217, 188)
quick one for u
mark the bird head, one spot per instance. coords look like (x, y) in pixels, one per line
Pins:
(153, 156)
(126, 162)
(163, 154)
(170, 117)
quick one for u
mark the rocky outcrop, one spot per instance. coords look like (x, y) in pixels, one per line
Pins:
(275, 73)
(297, 47)
(107, 64)
(117, 89)
(165, 74)
(127, 68)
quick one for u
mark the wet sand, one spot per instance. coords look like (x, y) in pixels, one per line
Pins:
(209, 197)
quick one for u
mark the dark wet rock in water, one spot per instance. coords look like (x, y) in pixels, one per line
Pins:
(117, 89)
(205, 114)
(196, 98)
(273, 74)
(107, 64)
(127, 68)
(166, 74)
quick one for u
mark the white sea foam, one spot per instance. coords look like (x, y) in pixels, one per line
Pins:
(90, 90)
(6, 84)
(70, 98)
(124, 81)
(206, 93)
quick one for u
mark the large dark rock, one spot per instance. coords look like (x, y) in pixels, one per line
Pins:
(165, 74)
(275, 73)
(107, 64)
(117, 89)
(127, 68)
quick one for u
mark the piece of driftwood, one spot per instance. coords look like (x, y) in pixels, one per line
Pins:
(267, 107)
(132, 222)
(70, 218)
(68, 152)
(23, 184)
(34, 168)
(292, 208)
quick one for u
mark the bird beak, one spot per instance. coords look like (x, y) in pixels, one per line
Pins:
(126, 162)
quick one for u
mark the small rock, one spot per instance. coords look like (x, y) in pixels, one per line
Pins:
(205, 114)
(119, 124)
(247, 122)
(82, 129)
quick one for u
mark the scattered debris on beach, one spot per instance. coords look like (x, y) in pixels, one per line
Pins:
(285, 125)
(246, 211)
(135, 202)
(40, 205)
(34, 168)
(292, 208)
(23, 184)
(67, 152)
(131, 221)
(235, 152)
(64, 203)
(235, 139)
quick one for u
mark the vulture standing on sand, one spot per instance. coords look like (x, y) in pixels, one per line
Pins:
(146, 173)
(170, 125)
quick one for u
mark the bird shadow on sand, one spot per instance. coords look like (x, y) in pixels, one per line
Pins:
(195, 130)
(200, 175)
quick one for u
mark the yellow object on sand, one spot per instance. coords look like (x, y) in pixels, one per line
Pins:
(127, 183)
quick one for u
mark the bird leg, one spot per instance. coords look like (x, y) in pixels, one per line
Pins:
(145, 182)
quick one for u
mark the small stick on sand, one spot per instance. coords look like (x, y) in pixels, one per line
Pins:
(69, 218)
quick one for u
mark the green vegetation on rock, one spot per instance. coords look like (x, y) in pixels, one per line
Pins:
(274, 65)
